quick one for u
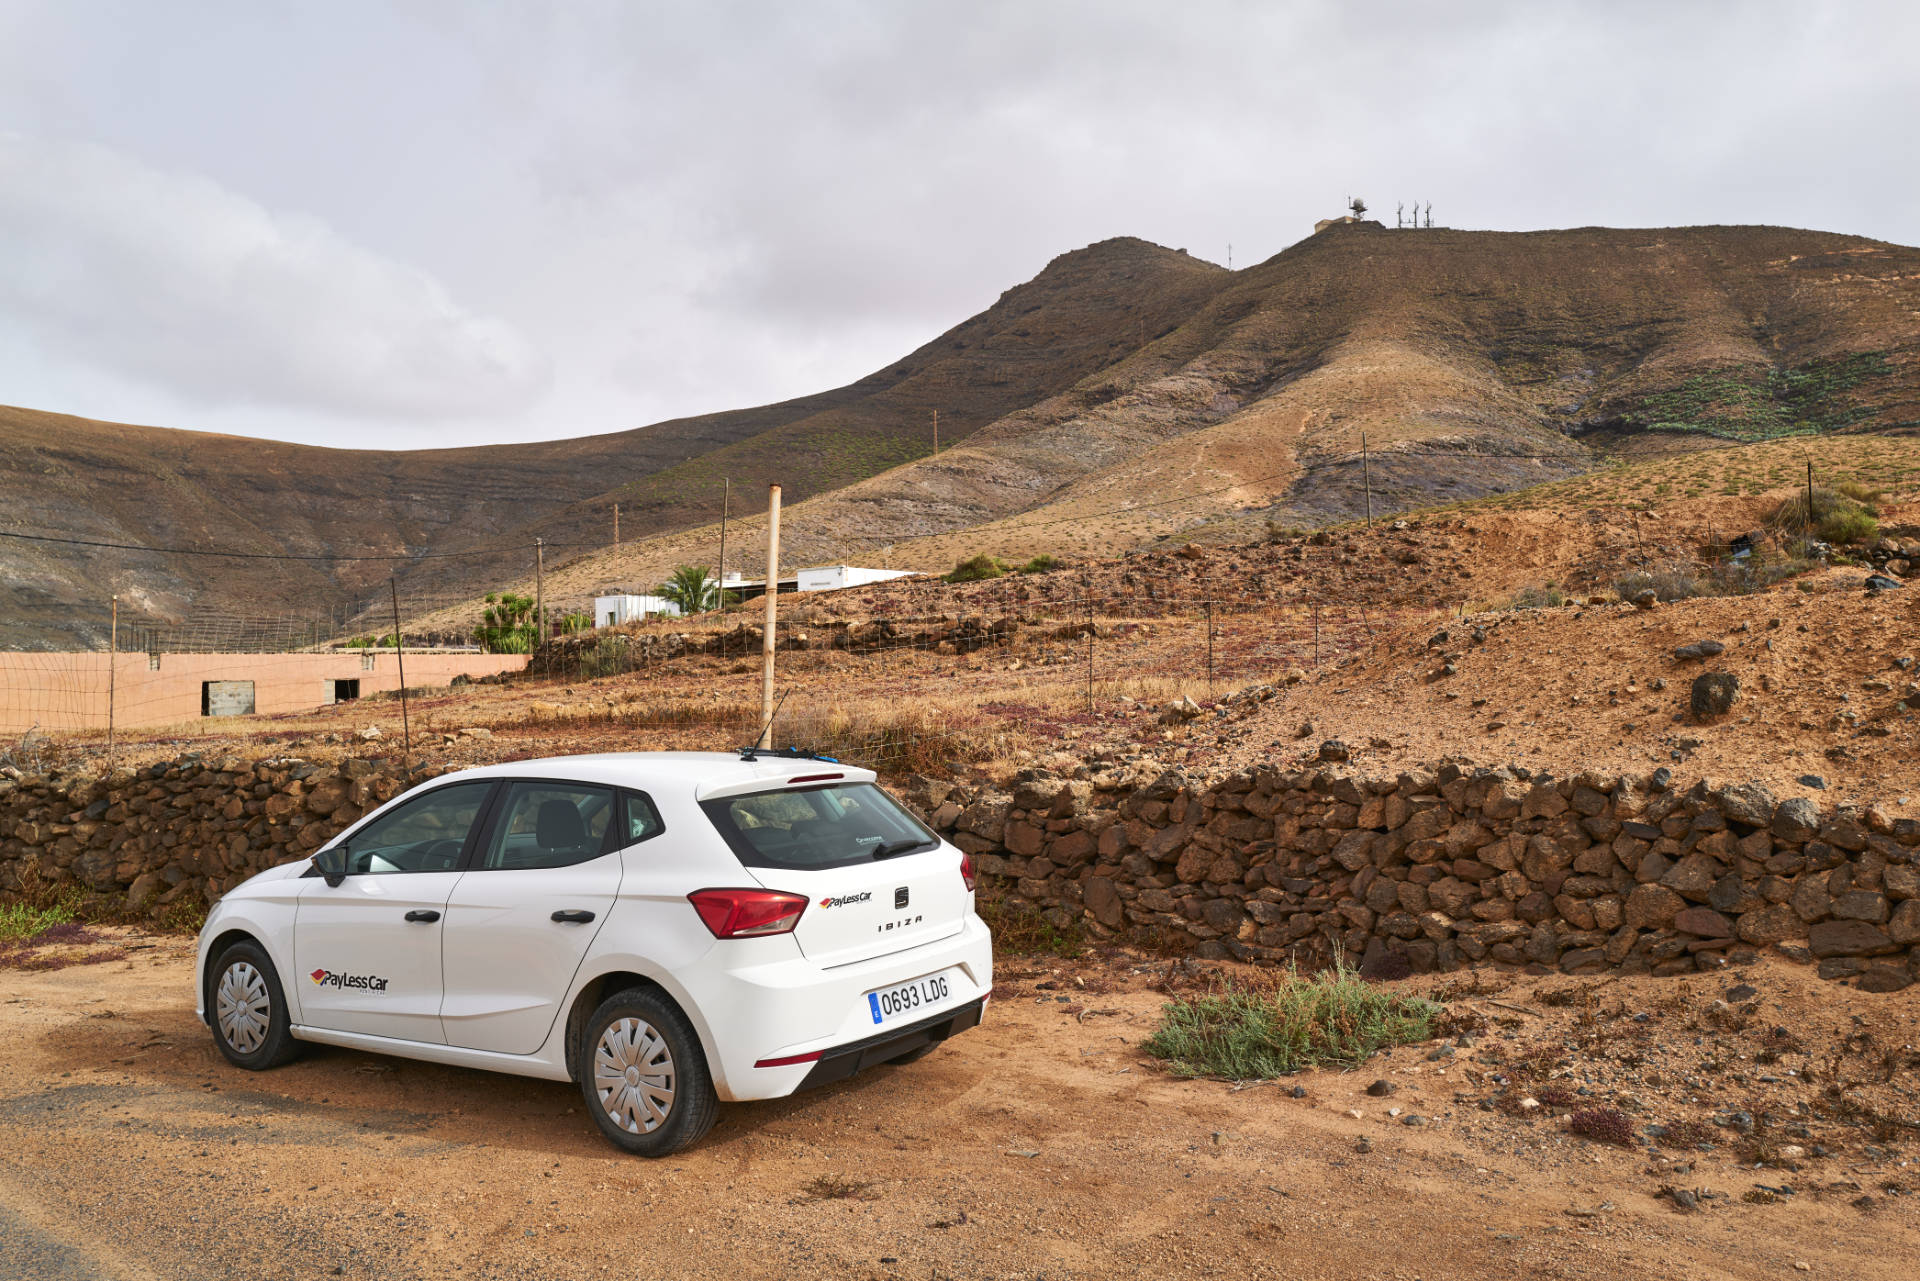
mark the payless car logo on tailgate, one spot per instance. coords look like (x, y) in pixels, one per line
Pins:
(330, 978)
(845, 899)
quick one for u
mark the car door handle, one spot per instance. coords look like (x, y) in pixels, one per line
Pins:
(575, 917)
(423, 915)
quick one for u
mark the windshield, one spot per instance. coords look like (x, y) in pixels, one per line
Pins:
(817, 827)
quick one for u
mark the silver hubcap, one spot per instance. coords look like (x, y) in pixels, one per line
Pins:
(633, 1075)
(243, 1007)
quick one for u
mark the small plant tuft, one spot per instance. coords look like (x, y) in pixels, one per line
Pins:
(1256, 1034)
(1603, 1125)
(977, 568)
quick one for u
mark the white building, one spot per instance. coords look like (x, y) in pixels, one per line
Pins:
(827, 578)
(609, 611)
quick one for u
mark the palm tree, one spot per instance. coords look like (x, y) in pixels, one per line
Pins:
(691, 590)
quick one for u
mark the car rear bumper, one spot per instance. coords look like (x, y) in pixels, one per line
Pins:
(842, 1061)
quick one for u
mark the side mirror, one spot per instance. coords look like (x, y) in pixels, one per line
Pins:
(331, 863)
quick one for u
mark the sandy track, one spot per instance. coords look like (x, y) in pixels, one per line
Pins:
(1039, 1145)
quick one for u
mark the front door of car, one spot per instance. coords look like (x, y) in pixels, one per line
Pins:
(543, 881)
(367, 951)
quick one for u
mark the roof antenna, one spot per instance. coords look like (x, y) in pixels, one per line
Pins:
(749, 753)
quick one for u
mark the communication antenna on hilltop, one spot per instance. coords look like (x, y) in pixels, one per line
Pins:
(1399, 209)
(1357, 206)
(1429, 215)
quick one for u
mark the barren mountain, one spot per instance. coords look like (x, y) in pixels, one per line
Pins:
(1126, 393)
(112, 482)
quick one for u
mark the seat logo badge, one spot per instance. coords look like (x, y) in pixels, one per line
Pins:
(846, 899)
(900, 897)
(366, 982)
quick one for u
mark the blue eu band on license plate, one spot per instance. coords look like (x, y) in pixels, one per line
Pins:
(873, 1003)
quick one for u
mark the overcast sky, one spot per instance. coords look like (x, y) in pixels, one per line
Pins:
(419, 224)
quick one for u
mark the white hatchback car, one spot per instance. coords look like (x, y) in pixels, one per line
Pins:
(669, 929)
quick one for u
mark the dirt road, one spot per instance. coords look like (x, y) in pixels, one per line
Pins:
(1040, 1145)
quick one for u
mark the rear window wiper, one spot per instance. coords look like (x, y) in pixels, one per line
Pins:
(900, 847)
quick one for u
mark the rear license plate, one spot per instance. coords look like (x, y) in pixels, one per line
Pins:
(904, 1000)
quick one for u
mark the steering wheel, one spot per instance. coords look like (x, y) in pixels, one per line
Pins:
(443, 850)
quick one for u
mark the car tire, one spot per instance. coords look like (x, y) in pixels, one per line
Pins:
(644, 1075)
(914, 1055)
(247, 1009)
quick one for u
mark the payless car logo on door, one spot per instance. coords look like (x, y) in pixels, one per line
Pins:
(368, 982)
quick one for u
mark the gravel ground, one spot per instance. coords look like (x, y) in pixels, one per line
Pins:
(1039, 1145)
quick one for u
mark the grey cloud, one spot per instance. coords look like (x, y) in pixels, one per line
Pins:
(172, 278)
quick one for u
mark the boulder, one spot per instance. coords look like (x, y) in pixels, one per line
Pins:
(1849, 938)
(1703, 922)
(1699, 649)
(1714, 694)
(1652, 907)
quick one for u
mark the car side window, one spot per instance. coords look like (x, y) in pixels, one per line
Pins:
(425, 834)
(549, 825)
(640, 821)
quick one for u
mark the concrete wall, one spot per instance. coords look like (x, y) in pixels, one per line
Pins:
(66, 692)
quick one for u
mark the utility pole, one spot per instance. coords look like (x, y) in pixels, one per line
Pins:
(936, 431)
(539, 592)
(113, 668)
(616, 525)
(726, 499)
(400, 658)
(1229, 255)
(1366, 471)
(767, 633)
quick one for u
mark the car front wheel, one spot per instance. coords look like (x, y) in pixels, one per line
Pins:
(644, 1076)
(248, 1011)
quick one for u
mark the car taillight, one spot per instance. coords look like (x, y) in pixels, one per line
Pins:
(966, 871)
(733, 914)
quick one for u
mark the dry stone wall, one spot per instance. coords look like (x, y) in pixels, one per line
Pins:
(1424, 871)
(183, 832)
(1435, 870)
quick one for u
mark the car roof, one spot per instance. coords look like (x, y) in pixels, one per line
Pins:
(705, 773)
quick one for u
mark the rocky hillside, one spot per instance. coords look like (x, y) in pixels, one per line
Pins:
(1125, 393)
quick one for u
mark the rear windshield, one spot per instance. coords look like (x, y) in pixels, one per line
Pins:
(817, 827)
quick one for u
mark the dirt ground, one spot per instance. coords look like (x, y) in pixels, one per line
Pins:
(1042, 1144)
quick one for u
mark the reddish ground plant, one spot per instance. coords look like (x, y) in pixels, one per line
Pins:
(1604, 1125)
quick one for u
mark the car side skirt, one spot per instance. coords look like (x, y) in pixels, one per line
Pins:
(448, 1055)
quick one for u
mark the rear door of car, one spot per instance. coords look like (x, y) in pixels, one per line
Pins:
(543, 879)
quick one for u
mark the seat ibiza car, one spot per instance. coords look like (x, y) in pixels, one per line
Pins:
(670, 930)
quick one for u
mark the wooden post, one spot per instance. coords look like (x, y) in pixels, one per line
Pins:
(726, 497)
(113, 669)
(1806, 529)
(767, 636)
(1209, 647)
(539, 592)
(616, 525)
(1366, 471)
(936, 431)
(400, 659)
(1089, 589)
(1316, 635)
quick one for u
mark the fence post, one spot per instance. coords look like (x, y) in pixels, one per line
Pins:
(113, 672)
(1366, 471)
(1209, 647)
(1316, 635)
(400, 660)
(772, 594)
(1089, 589)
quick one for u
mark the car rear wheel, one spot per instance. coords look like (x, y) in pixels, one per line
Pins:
(248, 1010)
(644, 1076)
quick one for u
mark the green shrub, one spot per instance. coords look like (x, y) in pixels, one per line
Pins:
(1334, 1017)
(975, 568)
(1019, 928)
(1040, 564)
(21, 920)
(1845, 514)
(1546, 597)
